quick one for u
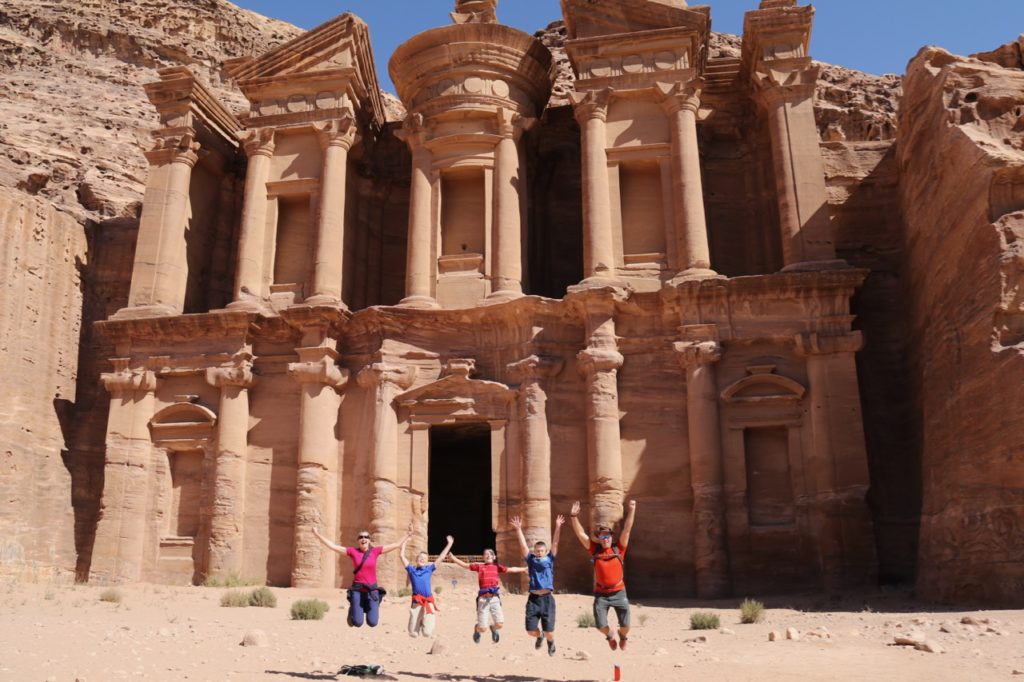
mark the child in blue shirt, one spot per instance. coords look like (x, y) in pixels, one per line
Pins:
(421, 611)
(540, 605)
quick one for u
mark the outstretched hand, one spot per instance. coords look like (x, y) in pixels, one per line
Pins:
(449, 539)
(559, 521)
(632, 505)
(516, 522)
(575, 511)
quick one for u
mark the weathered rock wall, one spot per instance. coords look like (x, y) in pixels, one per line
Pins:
(962, 183)
(40, 320)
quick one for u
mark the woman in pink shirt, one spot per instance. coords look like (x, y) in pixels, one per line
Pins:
(364, 595)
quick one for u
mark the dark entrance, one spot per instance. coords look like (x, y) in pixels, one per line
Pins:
(460, 488)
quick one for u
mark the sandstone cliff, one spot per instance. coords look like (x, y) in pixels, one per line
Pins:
(961, 155)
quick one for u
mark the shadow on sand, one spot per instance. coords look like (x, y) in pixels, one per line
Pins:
(483, 678)
(325, 676)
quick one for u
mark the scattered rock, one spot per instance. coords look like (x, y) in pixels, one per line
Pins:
(971, 620)
(726, 631)
(945, 628)
(256, 638)
(581, 655)
(773, 636)
(793, 634)
(699, 639)
(930, 647)
(438, 648)
(660, 652)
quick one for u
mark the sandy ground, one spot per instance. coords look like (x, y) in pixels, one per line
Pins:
(64, 632)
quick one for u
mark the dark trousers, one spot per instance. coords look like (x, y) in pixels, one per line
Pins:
(363, 606)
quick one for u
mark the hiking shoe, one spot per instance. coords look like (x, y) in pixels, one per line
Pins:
(622, 642)
(539, 642)
(476, 637)
(495, 636)
(612, 644)
(551, 647)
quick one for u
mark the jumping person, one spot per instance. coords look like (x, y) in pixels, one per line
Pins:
(489, 614)
(540, 605)
(364, 595)
(609, 571)
(421, 611)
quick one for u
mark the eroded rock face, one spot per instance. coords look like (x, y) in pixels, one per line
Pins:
(961, 153)
(76, 119)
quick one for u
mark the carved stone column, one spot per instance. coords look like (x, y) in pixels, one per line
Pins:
(507, 264)
(336, 138)
(249, 275)
(316, 497)
(160, 272)
(707, 477)
(419, 273)
(384, 381)
(598, 242)
(787, 96)
(837, 464)
(121, 531)
(535, 442)
(600, 367)
(691, 230)
(227, 518)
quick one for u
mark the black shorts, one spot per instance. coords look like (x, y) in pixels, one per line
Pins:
(540, 608)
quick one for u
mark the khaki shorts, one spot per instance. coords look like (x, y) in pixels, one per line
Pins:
(613, 600)
(488, 611)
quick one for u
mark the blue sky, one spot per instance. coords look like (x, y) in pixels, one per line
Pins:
(876, 36)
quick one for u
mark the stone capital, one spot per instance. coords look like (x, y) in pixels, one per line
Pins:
(694, 353)
(534, 368)
(239, 373)
(813, 343)
(380, 373)
(680, 96)
(593, 360)
(341, 132)
(258, 142)
(125, 380)
(591, 105)
(475, 12)
(785, 81)
(460, 367)
(318, 366)
(414, 131)
(175, 148)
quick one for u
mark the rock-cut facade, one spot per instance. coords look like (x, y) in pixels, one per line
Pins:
(494, 307)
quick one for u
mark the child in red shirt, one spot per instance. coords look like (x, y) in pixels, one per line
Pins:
(489, 614)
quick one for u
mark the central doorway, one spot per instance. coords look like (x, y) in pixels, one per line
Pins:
(460, 488)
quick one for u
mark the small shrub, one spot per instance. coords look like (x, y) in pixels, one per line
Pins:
(234, 598)
(232, 579)
(751, 611)
(406, 592)
(309, 609)
(585, 620)
(111, 595)
(262, 596)
(704, 621)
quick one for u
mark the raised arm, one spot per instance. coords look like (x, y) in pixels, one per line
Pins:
(444, 552)
(395, 545)
(516, 569)
(458, 562)
(517, 523)
(405, 561)
(559, 522)
(577, 527)
(627, 525)
(327, 543)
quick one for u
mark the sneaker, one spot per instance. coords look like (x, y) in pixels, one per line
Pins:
(476, 637)
(495, 636)
(622, 642)
(612, 644)
(539, 642)
(551, 647)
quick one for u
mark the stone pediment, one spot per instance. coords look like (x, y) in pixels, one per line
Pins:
(339, 49)
(458, 394)
(596, 18)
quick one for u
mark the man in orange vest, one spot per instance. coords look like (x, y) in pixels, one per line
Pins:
(609, 559)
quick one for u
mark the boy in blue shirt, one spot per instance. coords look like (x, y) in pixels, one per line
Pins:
(421, 611)
(540, 605)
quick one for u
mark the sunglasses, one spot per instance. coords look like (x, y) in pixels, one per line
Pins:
(364, 537)
(604, 536)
